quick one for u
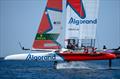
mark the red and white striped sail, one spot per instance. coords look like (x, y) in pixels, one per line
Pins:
(50, 26)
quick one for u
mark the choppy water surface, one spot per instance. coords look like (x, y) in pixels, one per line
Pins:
(71, 70)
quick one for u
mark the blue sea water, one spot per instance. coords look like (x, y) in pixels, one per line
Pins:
(72, 70)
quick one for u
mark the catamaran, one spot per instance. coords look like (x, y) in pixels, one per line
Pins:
(66, 32)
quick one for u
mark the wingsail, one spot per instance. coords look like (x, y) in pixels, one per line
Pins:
(49, 29)
(81, 22)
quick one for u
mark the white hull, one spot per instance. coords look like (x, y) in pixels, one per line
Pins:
(48, 56)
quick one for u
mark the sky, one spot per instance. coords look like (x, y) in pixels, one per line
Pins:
(19, 21)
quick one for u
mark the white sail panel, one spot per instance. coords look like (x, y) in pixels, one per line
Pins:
(88, 31)
(56, 22)
(82, 18)
(72, 30)
(55, 18)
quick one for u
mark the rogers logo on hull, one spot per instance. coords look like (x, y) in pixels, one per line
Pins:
(79, 21)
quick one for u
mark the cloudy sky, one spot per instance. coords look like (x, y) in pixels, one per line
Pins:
(19, 20)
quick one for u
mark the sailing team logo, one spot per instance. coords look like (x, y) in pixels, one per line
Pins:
(78, 21)
(79, 9)
(41, 58)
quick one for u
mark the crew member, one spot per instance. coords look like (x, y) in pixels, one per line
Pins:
(86, 50)
(94, 49)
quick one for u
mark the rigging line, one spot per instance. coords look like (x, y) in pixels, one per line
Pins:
(97, 40)
(119, 32)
